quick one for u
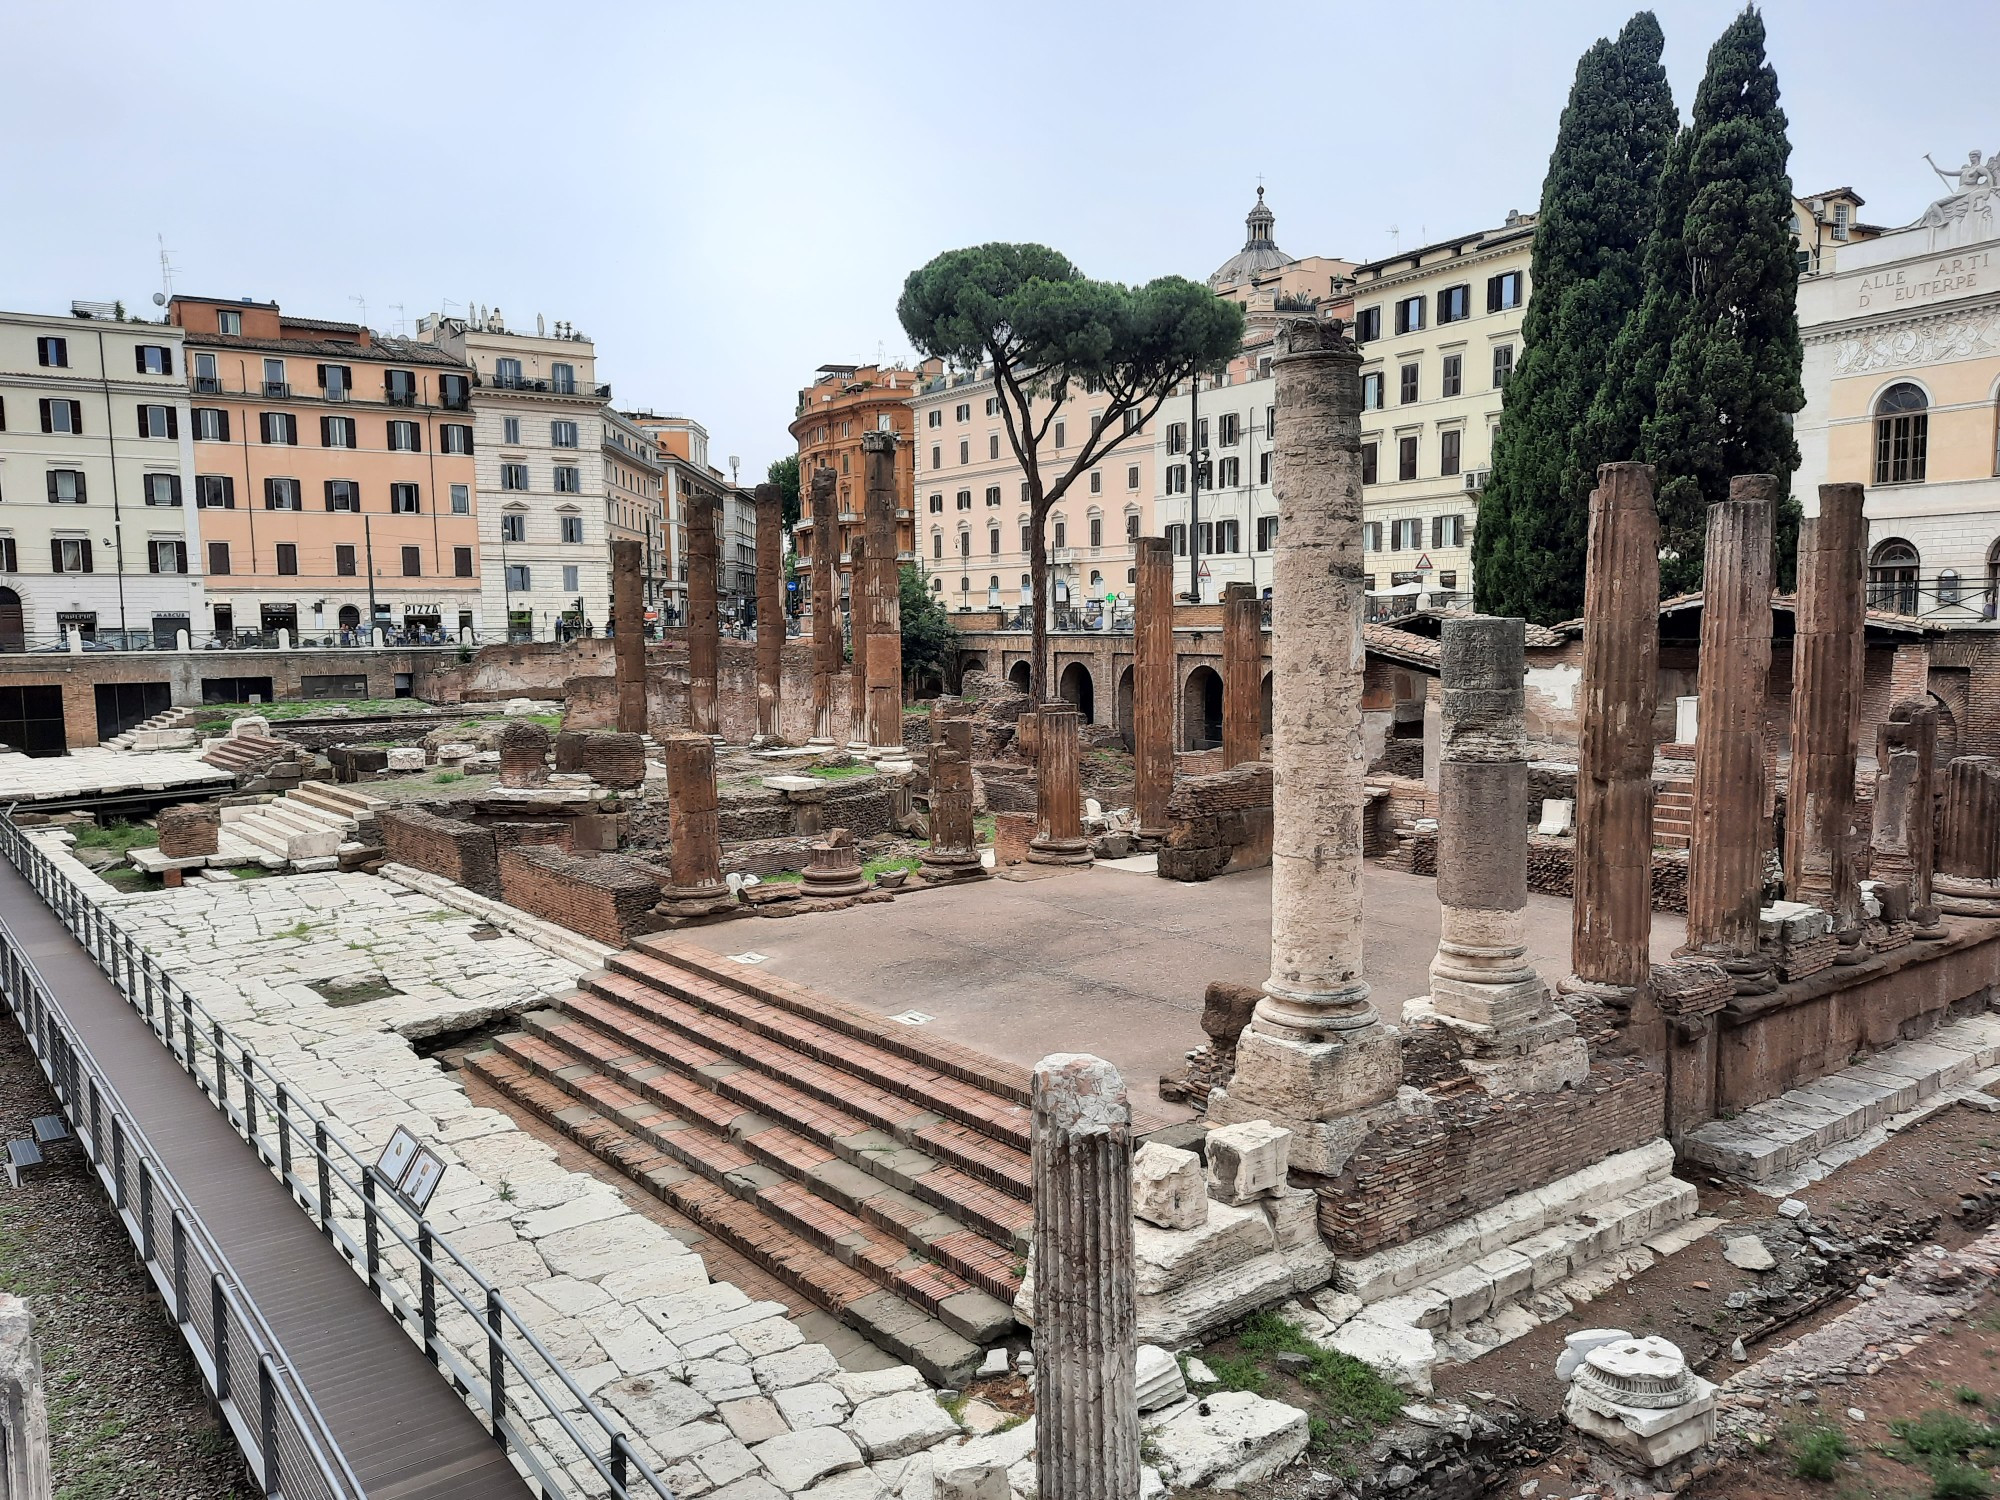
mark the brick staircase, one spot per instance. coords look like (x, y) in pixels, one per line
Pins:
(882, 1173)
(1673, 813)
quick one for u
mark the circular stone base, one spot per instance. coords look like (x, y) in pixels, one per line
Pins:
(1059, 852)
(838, 885)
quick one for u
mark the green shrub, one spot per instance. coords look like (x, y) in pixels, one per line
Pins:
(1818, 1450)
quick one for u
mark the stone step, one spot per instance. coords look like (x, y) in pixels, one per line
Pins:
(350, 802)
(1770, 1141)
(316, 814)
(747, 1224)
(301, 819)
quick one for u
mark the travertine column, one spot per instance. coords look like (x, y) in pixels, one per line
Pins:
(770, 612)
(885, 622)
(954, 850)
(24, 1412)
(825, 609)
(1611, 921)
(1905, 829)
(1826, 710)
(859, 580)
(628, 620)
(1317, 1058)
(1086, 1304)
(1242, 675)
(1058, 836)
(1726, 865)
(1153, 685)
(1482, 983)
(695, 886)
(704, 629)
(1968, 865)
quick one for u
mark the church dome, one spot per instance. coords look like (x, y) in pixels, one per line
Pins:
(1260, 254)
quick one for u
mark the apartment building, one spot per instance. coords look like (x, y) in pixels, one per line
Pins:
(682, 443)
(842, 403)
(736, 558)
(1440, 330)
(333, 472)
(538, 416)
(97, 525)
(634, 480)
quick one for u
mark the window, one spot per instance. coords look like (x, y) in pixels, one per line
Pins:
(214, 492)
(965, 544)
(1448, 443)
(1024, 492)
(1132, 527)
(964, 451)
(962, 412)
(1503, 364)
(1062, 534)
(413, 562)
(1406, 457)
(288, 558)
(1371, 536)
(937, 458)
(454, 391)
(461, 499)
(1228, 430)
(934, 417)
(52, 353)
(1132, 477)
(163, 489)
(165, 555)
(66, 487)
(1267, 533)
(1410, 315)
(404, 500)
(1369, 474)
(572, 529)
(562, 379)
(1892, 577)
(513, 476)
(400, 386)
(1454, 305)
(344, 560)
(1902, 435)
(62, 416)
(1201, 432)
(1840, 220)
(571, 574)
(336, 432)
(153, 359)
(1367, 324)
(992, 495)
(218, 558)
(569, 480)
(1371, 391)
(507, 373)
(279, 427)
(205, 376)
(937, 505)
(337, 381)
(158, 422)
(1447, 531)
(405, 437)
(1406, 384)
(274, 378)
(1229, 535)
(461, 562)
(1177, 477)
(562, 434)
(228, 322)
(1503, 291)
(510, 431)
(1453, 380)
(1229, 473)
(1026, 539)
(993, 540)
(454, 437)
(343, 494)
(937, 544)
(281, 494)
(1059, 434)
(992, 406)
(992, 445)
(211, 424)
(1176, 437)
(1097, 531)
(1264, 467)
(1408, 533)
(1096, 482)
(517, 577)
(514, 527)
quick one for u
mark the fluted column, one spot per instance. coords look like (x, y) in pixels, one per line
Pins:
(1242, 674)
(954, 850)
(628, 623)
(1086, 1304)
(885, 596)
(1611, 920)
(704, 628)
(1058, 836)
(1826, 711)
(1153, 685)
(1726, 864)
(1968, 865)
(695, 885)
(859, 581)
(1905, 821)
(770, 612)
(825, 609)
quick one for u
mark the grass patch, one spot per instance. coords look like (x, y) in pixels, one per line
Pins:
(985, 828)
(1817, 1451)
(1952, 1448)
(125, 878)
(783, 877)
(875, 867)
(1345, 1400)
(120, 836)
(840, 773)
(299, 931)
(446, 778)
(547, 721)
(251, 872)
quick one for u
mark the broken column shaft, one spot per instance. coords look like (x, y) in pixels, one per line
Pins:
(954, 850)
(1968, 862)
(704, 628)
(770, 612)
(825, 609)
(695, 886)
(628, 623)
(858, 612)
(1153, 686)
(1242, 675)
(1058, 836)
(1904, 840)
(885, 623)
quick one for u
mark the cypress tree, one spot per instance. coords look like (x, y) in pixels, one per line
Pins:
(1730, 383)
(1586, 278)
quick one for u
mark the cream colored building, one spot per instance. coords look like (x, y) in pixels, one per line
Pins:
(1902, 386)
(634, 482)
(97, 493)
(1440, 331)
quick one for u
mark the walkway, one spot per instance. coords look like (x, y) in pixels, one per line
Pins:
(406, 1434)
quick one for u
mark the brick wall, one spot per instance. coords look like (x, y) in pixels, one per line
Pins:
(608, 899)
(1421, 1174)
(607, 758)
(1218, 823)
(463, 853)
(188, 829)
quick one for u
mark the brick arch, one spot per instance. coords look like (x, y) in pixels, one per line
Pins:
(1021, 675)
(1075, 685)
(1201, 709)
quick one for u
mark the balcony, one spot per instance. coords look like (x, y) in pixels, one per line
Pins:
(544, 387)
(400, 398)
(208, 385)
(336, 393)
(1061, 555)
(277, 390)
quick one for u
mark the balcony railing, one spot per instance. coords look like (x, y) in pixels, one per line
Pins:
(277, 390)
(534, 383)
(1947, 596)
(208, 385)
(400, 398)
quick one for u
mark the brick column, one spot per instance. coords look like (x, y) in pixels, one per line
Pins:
(825, 609)
(1086, 1303)
(1904, 840)
(628, 619)
(1153, 685)
(1820, 843)
(1059, 836)
(695, 886)
(1726, 864)
(1968, 866)
(858, 581)
(954, 850)
(1611, 921)
(1242, 675)
(885, 620)
(1317, 1058)
(704, 630)
(770, 612)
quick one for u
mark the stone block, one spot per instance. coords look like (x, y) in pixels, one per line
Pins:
(189, 829)
(1168, 1189)
(958, 1478)
(406, 758)
(1159, 1381)
(899, 1425)
(795, 1460)
(1230, 1440)
(1558, 817)
(753, 1419)
(1400, 1354)
(1247, 1161)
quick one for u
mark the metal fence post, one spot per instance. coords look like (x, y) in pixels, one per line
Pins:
(267, 1424)
(180, 1269)
(427, 1282)
(496, 1376)
(145, 1211)
(117, 1164)
(368, 1219)
(245, 1062)
(325, 1179)
(219, 1310)
(284, 1140)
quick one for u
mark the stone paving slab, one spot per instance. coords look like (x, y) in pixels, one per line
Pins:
(97, 770)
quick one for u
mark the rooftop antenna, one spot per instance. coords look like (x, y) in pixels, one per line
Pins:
(1395, 239)
(166, 268)
(734, 464)
(397, 309)
(363, 301)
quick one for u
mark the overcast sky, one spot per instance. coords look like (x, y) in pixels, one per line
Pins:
(726, 196)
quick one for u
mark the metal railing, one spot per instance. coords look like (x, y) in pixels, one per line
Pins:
(504, 1372)
(1945, 597)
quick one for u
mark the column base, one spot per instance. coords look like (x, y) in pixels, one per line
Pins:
(1499, 1003)
(832, 886)
(1330, 1094)
(1615, 997)
(945, 867)
(1960, 896)
(821, 742)
(696, 900)
(1059, 852)
(1543, 1056)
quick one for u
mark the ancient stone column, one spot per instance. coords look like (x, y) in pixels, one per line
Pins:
(1085, 1300)
(885, 622)
(628, 617)
(24, 1412)
(1317, 1058)
(954, 850)
(1611, 923)
(1059, 836)
(1242, 675)
(858, 612)
(1968, 864)
(1153, 686)
(1904, 843)
(770, 612)
(825, 609)
(1482, 982)
(695, 887)
(704, 630)
(1726, 864)
(1820, 843)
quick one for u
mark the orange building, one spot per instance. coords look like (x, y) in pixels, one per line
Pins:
(834, 411)
(333, 472)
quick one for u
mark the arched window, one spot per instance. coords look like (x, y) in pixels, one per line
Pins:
(1902, 435)
(1892, 577)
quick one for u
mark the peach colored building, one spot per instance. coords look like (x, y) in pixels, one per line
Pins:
(333, 473)
(833, 412)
